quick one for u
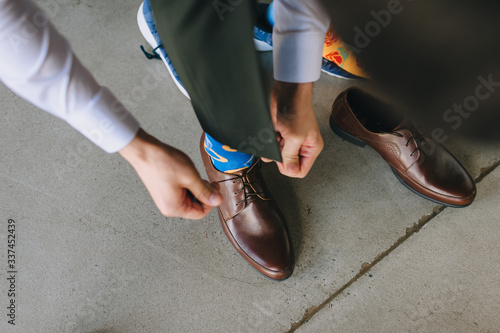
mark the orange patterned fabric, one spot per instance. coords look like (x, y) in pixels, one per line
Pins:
(336, 51)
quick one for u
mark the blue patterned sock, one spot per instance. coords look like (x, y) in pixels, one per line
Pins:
(224, 158)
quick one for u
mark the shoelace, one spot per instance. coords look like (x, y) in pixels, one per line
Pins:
(415, 135)
(154, 55)
(250, 195)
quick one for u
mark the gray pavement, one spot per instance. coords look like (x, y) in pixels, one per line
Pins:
(93, 254)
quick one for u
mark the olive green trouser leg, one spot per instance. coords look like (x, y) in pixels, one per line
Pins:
(211, 47)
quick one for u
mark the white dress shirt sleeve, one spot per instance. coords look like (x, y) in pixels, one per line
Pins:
(298, 38)
(37, 63)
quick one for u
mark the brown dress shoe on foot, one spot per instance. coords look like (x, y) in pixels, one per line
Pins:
(252, 220)
(422, 165)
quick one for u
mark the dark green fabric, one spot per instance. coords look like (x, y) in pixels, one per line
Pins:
(434, 57)
(211, 47)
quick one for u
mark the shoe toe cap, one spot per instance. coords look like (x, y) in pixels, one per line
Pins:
(263, 238)
(444, 179)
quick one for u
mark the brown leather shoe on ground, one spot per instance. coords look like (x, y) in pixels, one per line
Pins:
(422, 165)
(252, 220)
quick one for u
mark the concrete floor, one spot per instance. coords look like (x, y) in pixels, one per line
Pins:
(94, 255)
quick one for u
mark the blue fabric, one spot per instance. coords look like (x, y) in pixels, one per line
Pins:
(270, 15)
(224, 158)
(263, 31)
(148, 15)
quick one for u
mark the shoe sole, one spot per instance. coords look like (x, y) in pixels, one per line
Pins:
(262, 46)
(340, 76)
(148, 36)
(423, 196)
(344, 135)
(347, 137)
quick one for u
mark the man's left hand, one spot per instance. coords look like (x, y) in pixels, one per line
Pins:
(296, 128)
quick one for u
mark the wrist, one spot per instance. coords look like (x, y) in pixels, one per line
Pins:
(293, 100)
(293, 91)
(138, 148)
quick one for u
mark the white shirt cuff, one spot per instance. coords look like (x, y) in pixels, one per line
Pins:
(297, 56)
(298, 39)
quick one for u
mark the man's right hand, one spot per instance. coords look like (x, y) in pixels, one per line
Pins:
(171, 178)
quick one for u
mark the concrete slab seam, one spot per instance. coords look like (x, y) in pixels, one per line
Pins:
(366, 267)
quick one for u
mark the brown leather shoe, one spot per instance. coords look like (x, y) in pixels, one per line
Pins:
(252, 220)
(432, 173)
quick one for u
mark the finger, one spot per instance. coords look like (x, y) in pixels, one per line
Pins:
(194, 210)
(306, 164)
(290, 156)
(285, 172)
(266, 160)
(205, 193)
(308, 156)
(189, 207)
(305, 167)
(195, 213)
(279, 138)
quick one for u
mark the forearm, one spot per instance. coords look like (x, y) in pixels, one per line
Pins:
(293, 100)
(37, 63)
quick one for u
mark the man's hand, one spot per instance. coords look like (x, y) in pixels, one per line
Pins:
(296, 127)
(171, 178)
